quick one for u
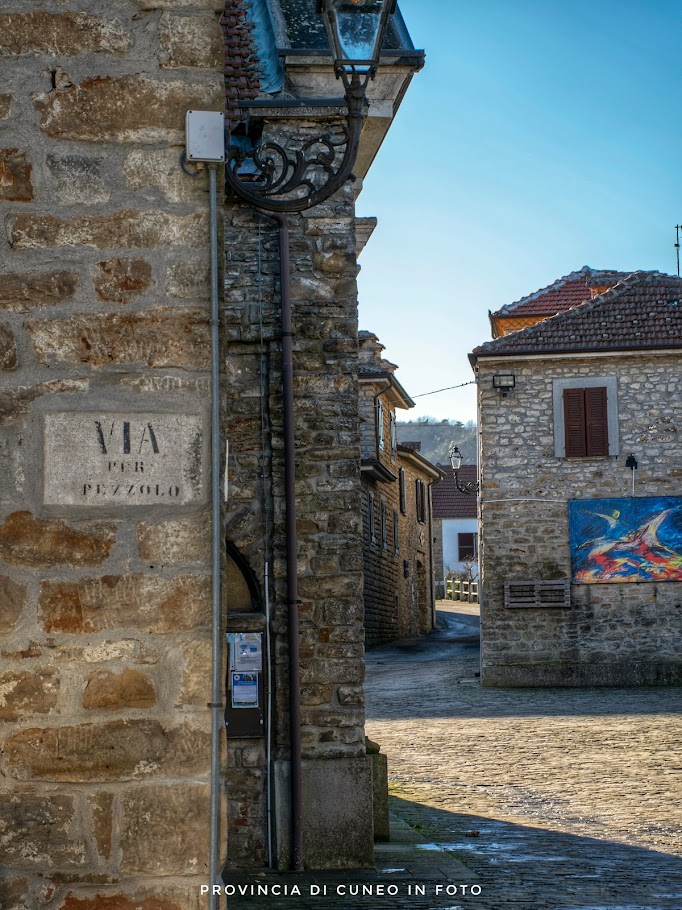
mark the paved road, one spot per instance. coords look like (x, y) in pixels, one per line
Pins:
(566, 799)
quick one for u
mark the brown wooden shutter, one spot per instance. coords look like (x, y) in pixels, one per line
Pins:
(574, 423)
(596, 425)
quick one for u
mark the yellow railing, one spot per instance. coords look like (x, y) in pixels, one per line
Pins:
(461, 590)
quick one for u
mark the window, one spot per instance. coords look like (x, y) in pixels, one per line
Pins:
(420, 487)
(396, 540)
(380, 424)
(403, 492)
(585, 417)
(393, 434)
(585, 422)
(384, 528)
(371, 522)
(467, 546)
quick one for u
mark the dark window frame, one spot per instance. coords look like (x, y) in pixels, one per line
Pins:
(586, 422)
(372, 531)
(470, 546)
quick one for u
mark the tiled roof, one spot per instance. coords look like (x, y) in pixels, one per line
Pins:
(644, 311)
(446, 499)
(563, 294)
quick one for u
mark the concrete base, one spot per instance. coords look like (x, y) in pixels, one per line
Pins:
(616, 674)
(338, 828)
(380, 800)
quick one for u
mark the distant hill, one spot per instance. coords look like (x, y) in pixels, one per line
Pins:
(436, 437)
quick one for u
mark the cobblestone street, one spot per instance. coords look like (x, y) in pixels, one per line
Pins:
(566, 799)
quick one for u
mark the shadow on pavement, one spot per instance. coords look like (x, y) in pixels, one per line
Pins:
(524, 867)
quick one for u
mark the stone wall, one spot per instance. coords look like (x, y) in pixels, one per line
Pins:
(324, 295)
(104, 593)
(614, 634)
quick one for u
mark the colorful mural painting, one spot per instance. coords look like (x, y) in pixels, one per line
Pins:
(626, 540)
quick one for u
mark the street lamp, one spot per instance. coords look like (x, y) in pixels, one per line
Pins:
(276, 179)
(456, 458)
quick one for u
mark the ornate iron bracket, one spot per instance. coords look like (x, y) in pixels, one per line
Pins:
(282, 181)
(470, 488)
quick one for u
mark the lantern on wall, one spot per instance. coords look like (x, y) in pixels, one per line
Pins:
(356, 30)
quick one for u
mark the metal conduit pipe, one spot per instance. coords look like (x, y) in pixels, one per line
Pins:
(216, 705)
(292, 544)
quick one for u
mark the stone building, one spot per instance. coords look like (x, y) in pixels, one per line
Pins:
(397, 528)
(581, 531)
(455, 528)
(105, 554)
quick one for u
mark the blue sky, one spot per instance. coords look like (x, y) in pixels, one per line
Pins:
(538, 138)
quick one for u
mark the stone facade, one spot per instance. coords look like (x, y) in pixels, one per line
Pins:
(104, 604)
(397, 527)
(612, 634)
(323, 279)
(105, 588)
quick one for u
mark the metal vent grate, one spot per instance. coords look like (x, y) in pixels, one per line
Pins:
(537, 594)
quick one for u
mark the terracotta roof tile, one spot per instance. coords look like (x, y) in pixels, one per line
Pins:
(563, 294)
(644, 311)
(241, 61)
(447, 501)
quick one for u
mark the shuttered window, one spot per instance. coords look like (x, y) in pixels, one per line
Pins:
(585, 422)
(403, 491)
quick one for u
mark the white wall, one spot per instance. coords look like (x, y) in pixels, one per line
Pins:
(451, 528)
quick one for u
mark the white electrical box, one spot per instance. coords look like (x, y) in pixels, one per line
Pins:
(205, 136)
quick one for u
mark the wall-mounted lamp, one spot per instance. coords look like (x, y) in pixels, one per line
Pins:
(278, 179)
(631, 462)
(456, 458)
(504, 382)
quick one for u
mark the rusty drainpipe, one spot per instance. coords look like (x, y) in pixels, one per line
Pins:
(292, 545)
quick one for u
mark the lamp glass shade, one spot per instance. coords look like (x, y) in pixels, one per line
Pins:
(356, 30)
(456, 458)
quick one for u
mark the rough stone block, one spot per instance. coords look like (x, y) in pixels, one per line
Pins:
(101, 806)
(128, 108)
(79, 179)
(20, 291)
(122, 280)
(120, 750)
(14, 894)
(188, 280)
(59, 34)
(135, 601)
(5, 106)
(12, 602)
(337, 811)
(15, 176)
(196, 41)
(163, 829)
(14, 405)
(29, 541)
(159, 169)
(196, 676)
(27, 693)
(335, 263)
(8, 349)
(34, 826)
(158, 338)
(380, 797)
(129, 229)
(176, 543)
(128, 689)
